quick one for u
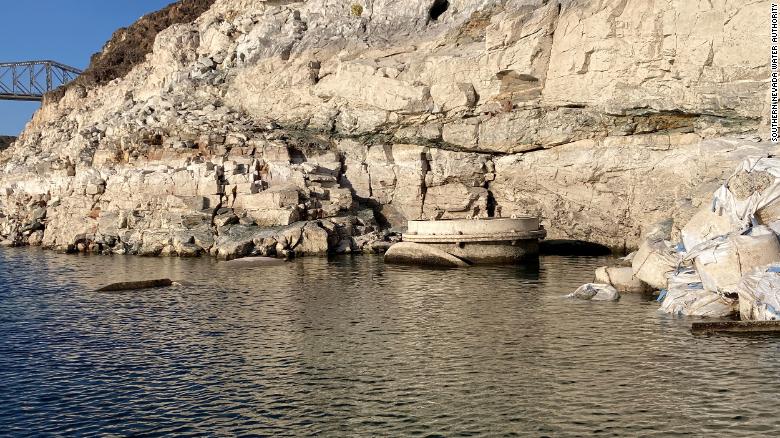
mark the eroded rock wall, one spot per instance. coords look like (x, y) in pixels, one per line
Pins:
(598, 116)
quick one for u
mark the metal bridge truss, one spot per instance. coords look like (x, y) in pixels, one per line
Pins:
(32, 79)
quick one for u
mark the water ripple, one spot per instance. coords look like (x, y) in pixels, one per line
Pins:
(351, 347)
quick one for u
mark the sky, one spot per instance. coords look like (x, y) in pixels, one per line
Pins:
(67, 31)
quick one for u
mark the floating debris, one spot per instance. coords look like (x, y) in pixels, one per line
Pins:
(137, 285)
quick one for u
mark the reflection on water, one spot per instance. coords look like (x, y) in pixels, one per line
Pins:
(351, 347)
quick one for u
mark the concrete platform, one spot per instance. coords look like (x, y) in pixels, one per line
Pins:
(708, 328)
(474, 230)
(478, 241)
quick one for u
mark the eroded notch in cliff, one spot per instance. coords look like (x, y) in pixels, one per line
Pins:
(438, 8)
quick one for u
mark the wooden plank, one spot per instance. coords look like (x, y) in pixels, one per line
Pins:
(708, 328)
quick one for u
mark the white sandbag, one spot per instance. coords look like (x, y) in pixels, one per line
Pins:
(706, 225)
(654, 261)
(621, 278)
(595, 292)
(759, 295)
(768, 213)
(764, 204)
(695, 301)
(775, 227)
(684, 278)
(686, 296)
(722, 262)
(627, 260)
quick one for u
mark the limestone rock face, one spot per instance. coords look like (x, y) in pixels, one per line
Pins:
(668, 56)
(258, 115)
(606, 191)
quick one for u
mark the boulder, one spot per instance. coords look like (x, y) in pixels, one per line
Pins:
(269, 200)
(275, 217)
(226, 219)
(621, 278)
(448, 96)
(35, 238)
(314, 240)
(236, 241)
(289, 237)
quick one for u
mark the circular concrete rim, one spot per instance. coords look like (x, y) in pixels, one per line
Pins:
(465, 238)
(473, 226)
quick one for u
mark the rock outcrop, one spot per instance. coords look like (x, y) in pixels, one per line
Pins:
(310, 126)
(6, 141)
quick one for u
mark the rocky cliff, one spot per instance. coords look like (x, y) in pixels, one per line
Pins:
(348, 117)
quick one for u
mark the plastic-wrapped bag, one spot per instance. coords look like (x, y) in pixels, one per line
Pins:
(721, 262)
(706, 225)
(683, 277)
(595, 292)
(698, 302)
(762, 204)
(686, 296)
(759, 295)
(653, 261)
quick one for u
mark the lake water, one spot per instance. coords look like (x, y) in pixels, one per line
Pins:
(352, 347)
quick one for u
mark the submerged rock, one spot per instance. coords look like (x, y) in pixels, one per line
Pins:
(137, 285)
(254, 261)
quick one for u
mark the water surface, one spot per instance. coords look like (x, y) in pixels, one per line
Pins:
(352, 347)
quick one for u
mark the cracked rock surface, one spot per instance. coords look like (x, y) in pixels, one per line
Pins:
(307, 127)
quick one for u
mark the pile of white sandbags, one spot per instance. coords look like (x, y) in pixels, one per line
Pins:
(728, 260)
(721, 262)
(686, 296)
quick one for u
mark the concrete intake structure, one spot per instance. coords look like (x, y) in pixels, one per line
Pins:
(468, 241)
